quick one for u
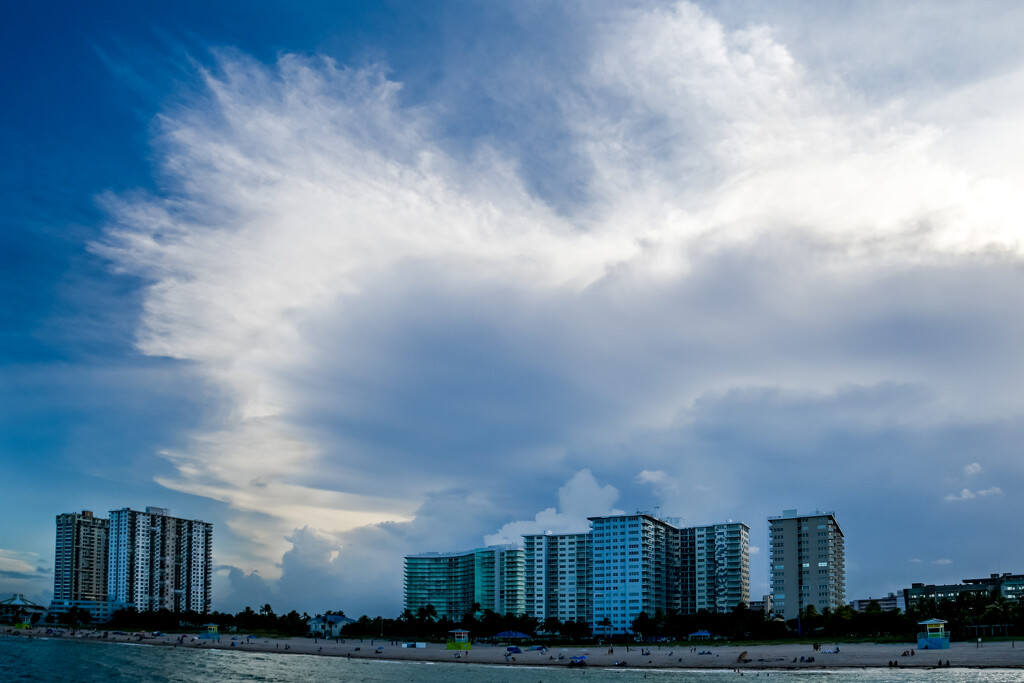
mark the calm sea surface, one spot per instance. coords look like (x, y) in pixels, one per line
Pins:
(89, 662)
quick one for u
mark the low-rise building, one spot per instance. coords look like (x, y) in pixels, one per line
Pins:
(328, 625)
(1007, 585)
(890, 603)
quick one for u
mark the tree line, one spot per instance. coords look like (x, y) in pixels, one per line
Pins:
(264, 620)
(967, 611)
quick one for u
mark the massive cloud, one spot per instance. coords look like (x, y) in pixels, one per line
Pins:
(767, 270)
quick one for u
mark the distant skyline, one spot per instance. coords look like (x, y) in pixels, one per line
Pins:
(353, 281)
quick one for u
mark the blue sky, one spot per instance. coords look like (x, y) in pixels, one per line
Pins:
(359, 280)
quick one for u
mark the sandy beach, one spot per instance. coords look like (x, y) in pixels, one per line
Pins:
(722, 656)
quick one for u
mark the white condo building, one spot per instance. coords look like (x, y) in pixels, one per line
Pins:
(721, 566)
(635, 569)
(498, 578)
(808, 563)
(558, 576)
(159, 562)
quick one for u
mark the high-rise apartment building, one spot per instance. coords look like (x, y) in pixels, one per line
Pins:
(808, 563)
(558, 576)
(720, 562)
(80, 557)
(636, 568)
(444, 580)
(80, 565)
(159, 562)
(498, 579)
(452, 582)
(626, 565)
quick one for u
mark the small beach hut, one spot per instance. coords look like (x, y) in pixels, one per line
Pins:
(934, 636)
(458, 639)
(211, 632)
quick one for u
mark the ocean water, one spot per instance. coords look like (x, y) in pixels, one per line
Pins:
(67, 661)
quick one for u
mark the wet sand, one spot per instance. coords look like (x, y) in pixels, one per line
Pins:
(726, 656)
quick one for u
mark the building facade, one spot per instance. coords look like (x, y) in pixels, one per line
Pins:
(890, 603)
(808, 563)
(636, 568)
(80, 557)
(453, 582)
(720, 563)
(558, 580)
(80, 565)
(499, 579)
(159, 562)
(1006, 585)
(445, 581)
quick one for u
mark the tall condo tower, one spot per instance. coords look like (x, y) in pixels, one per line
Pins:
(80, 557)
(808, 563)
(451, 583)
(636, 568)
(160, 562)
(716, 567)
(558, 582)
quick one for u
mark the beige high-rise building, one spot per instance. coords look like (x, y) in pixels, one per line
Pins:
(80, 557)
(808, 563)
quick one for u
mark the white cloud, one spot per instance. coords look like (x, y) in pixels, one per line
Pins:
(745, 226)
(967, 494)
(17, 562)
(580, 498)
(942, 561)
(650, 477)
(972, 469)
(25, 572)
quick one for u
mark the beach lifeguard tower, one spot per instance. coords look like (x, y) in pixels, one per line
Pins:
(459, 640)
(211, 632)
(934, 636)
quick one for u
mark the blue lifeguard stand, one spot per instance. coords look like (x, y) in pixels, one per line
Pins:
(211, 632)
(934, 636)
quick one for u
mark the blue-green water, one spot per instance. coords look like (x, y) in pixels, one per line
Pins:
(66, 661)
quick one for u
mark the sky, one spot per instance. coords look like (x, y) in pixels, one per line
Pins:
(358, 280)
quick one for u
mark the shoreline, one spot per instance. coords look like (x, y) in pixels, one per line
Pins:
(994, 655)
